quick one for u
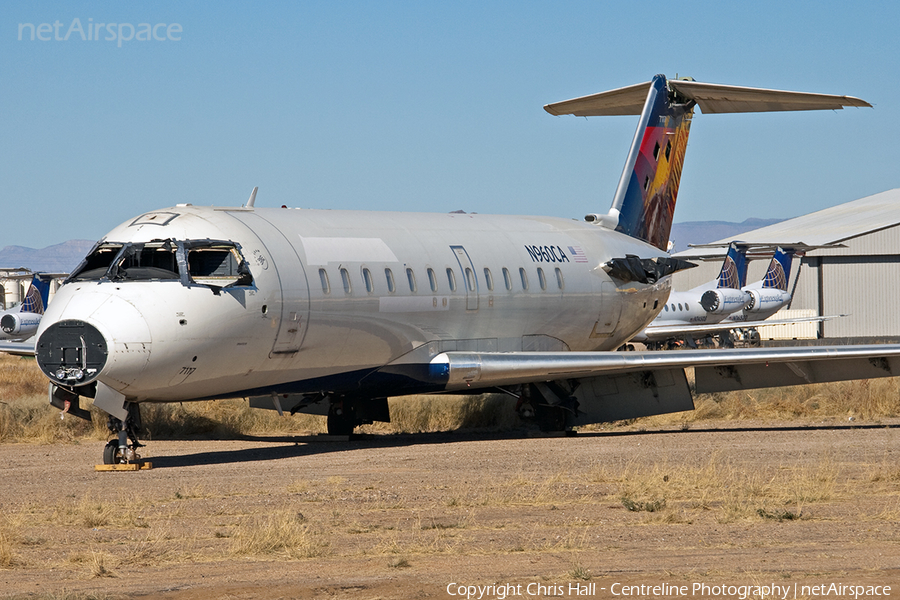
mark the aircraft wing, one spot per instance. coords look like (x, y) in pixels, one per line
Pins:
(24, 348)
(662, 332)
(715, 370)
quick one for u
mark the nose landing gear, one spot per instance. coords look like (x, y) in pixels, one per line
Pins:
(118, 450)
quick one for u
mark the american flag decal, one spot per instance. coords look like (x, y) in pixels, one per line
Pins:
(577, 254)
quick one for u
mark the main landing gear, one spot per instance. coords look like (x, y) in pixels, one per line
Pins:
(345, 414)
(123, 444)
(550, 404)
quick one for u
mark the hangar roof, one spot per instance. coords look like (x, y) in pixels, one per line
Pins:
(828, 226)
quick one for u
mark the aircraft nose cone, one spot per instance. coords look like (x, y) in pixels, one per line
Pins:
(71, 352)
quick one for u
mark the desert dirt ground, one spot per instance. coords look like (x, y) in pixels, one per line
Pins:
(404, 516)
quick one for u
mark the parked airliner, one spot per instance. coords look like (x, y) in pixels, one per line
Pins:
(705, 304)
(683, 319)
(333, 311)
(22, 321)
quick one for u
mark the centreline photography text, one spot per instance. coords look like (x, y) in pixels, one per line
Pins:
(738, 591)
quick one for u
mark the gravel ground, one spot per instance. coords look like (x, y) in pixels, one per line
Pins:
(407, 516)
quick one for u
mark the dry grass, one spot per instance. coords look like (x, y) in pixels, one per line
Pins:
(674, 490)
(868, 399)
(421, 413)
(284, 532)
(7, 556)
(26, 416)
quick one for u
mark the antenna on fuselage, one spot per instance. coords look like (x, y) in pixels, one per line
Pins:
(252, 199)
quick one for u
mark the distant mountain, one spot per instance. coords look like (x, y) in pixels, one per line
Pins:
(704, 232)
(61, 258)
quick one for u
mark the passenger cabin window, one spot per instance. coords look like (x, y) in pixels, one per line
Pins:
(542, 279)
(367, 278)
(560, 283)
(470, 279)
(345, 279)
(323, 278)
(507, 279)
(524, 277)
(432, 280)
(488, 279)
(411, 278)
(451, 279)
(389, 276)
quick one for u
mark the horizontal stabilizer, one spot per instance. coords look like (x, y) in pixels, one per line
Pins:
(710, 97)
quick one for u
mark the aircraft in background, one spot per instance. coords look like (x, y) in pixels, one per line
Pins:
(763, 299)
(709, 303)
(21, 322)
(333, 311)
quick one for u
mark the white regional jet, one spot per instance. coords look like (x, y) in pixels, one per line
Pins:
(334, 311)
(691, 313)
(685, 315)
(21, 322)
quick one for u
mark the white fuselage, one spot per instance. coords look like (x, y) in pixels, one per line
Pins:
(337, 294)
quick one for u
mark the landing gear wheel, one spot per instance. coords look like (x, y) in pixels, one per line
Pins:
(550, 418)
(112, 454)
(123, 447)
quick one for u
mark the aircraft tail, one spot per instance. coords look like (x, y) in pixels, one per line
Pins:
(644, 203)
(734, 269)
(37, 297)
(779, 271)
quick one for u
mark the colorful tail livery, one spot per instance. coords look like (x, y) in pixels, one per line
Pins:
(37, 297)
(644, 203)
(779, 271)
(734, 269)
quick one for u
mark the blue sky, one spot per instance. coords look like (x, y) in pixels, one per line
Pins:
(425, 106)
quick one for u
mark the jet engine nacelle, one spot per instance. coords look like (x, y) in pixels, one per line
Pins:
(723, 301)
(20, 324)
(766, 300)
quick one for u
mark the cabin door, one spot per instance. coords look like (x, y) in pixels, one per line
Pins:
(470, 281)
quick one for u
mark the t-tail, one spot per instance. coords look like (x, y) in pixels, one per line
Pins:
(779, 271)
(644, 204)
(734, 269)
(37, 296)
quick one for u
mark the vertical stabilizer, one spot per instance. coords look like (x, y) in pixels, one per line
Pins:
(37, 297)
(779, 270)
(734, 269)
(648, 187)
(645, 197)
